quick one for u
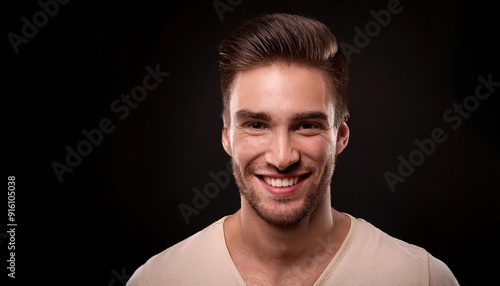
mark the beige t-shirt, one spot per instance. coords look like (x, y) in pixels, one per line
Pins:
(368, 256)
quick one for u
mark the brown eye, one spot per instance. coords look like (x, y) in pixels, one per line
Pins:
(308, 126)
(256, 125)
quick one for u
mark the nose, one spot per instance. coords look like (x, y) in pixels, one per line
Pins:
(281, 152)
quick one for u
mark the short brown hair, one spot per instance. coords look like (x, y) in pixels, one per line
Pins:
(287, 38)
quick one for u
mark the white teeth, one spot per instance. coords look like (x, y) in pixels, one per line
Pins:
(276, 182)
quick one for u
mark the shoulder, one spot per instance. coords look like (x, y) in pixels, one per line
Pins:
(386, 257)
(186, 261)
(371, 239)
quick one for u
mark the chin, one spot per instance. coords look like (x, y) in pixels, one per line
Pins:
(285, 213)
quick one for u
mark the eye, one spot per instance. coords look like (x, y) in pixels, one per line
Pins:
(308, 126)
(255, 125)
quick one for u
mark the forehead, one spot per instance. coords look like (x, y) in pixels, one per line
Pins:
(282, 89)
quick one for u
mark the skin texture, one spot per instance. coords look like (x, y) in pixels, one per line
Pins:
(282, 126)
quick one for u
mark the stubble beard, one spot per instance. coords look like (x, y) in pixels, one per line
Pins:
(314, 196)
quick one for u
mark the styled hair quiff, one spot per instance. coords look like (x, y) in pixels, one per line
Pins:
(286, 38)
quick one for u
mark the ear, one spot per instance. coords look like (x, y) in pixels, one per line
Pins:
(226, 143)
(342, 136)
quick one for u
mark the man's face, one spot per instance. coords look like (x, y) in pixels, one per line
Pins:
(282, 140)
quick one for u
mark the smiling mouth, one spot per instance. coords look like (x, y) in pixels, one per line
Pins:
(282, 182)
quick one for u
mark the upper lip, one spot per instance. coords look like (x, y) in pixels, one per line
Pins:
(282, 176)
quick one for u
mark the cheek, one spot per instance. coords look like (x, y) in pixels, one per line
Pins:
(247, 148)
(318, 149)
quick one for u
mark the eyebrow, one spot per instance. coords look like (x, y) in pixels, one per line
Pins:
(310, 116)
(246, 114)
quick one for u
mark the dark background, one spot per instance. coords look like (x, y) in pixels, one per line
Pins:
(119, 206)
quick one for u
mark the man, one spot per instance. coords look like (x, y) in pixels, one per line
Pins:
(284, 83)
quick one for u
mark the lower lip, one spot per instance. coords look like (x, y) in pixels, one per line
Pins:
(282, 191)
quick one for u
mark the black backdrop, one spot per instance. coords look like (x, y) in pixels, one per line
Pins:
(119, 205)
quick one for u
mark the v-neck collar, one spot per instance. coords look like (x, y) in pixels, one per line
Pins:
(323, 278)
